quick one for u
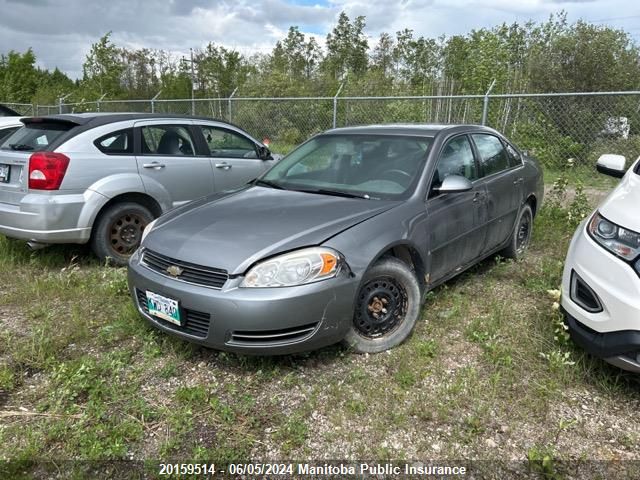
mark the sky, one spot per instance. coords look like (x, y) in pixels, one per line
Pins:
(61, 31)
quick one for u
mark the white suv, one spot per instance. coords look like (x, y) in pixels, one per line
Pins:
(601, 281)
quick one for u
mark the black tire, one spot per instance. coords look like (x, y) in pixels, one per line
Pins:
(118, 230)
(521, 235)
(376, 327)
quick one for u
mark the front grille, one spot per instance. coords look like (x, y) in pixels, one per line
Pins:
(195, 323)
(583, 295)
(196, 274)
(270, 337)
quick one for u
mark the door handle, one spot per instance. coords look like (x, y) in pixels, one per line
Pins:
(154, 165)
(223, 165)
(518, 180)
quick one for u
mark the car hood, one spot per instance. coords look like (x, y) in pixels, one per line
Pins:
(235, 231)
(621, 206)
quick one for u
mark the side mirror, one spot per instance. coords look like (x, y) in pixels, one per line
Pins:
(454, 184)
(264, 153)
(612, 165)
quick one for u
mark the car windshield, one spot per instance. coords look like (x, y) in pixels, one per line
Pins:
(34, 136)
(368, 166)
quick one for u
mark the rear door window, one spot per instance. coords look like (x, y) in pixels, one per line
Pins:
(514, 157)
(116, 143)
(493, 158)
(175, 140)
(34, 137)
(225, 143)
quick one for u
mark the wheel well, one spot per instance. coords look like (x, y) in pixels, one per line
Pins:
(411, 257)
(533, 203)
(140, 198)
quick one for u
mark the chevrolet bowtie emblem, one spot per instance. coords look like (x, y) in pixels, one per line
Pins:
(175, 271)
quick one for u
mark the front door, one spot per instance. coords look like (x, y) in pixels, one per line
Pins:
(168, 160)
(456, 220)
(233, 156)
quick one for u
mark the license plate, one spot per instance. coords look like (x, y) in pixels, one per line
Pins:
(163, 307)
(4, 173)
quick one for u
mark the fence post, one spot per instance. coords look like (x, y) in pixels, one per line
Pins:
(229, 101)
(60, 100)
(153, 102)
(335, 105)
(485, 107)
(100, 100)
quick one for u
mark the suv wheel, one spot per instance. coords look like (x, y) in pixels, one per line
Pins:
(521, 235)
(118, 231)
(387, 307)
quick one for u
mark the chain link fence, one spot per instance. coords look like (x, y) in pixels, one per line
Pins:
(553, 127)
(21, 108)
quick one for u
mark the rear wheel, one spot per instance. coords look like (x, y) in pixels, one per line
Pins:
(387, 307)
(521, 235)
(118, 231)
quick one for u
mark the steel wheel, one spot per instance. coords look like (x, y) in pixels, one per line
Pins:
(523, 234)
(381, 307)
(125, 233)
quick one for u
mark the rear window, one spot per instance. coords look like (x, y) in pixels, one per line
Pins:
(34, 137)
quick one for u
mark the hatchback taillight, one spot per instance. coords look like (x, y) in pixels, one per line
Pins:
(46, 170)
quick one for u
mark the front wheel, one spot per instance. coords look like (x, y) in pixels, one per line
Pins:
(521, 235)
(387, 307)
(118, 231)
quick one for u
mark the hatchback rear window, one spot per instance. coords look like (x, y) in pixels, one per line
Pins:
(34, 137)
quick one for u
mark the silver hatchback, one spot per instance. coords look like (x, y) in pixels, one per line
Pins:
(101, 178)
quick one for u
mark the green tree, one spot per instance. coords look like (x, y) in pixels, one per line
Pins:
(19, 76)
(347, 48)
(103, 69)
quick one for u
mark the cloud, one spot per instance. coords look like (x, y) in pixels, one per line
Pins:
(61, 33)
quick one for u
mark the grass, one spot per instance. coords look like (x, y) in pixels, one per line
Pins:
(487, 374)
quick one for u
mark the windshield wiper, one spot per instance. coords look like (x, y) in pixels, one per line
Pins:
(20, 146)
(267, 183)
(337, 193)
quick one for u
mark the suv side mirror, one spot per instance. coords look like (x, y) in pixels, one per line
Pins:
(612, 165)
(264, 153)
(454, 184)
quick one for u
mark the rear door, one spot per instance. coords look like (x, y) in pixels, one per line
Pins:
(457, 221)
(168, 156)
(15, 150)
(503, 180)
(233, 156)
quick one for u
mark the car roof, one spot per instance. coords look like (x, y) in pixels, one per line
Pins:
(82, 122)
(95, 119)
(416, 129)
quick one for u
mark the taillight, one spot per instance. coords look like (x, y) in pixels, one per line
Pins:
(46, 170)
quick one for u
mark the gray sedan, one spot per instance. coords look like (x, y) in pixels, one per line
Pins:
(338, 241)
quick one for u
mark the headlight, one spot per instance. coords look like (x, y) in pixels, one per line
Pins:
(618, 240)
(295, 268)
(147, 229)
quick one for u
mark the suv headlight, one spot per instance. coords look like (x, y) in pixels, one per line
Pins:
(147, 229)
(618, 240)
(299, 267)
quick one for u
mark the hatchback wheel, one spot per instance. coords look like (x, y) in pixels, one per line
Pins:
(521, 235)
(118, 231)
(387, 307)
